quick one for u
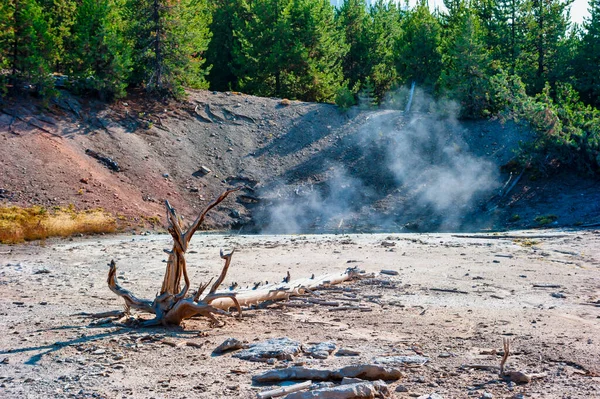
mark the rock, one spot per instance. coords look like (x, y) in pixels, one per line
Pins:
(389, 272)
(228, 345)
(274, 348)
(321, 350)
(347, 352)
(194, 189)
(486, 395)
(165, 175)
(399, 360)
(431, 396)
(401, 388)
(99, 352)
(351, 380)
(559, 295)
(388, 244)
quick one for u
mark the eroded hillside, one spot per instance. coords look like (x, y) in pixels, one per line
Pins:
(305, 166)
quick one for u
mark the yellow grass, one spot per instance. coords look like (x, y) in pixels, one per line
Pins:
(36, 223)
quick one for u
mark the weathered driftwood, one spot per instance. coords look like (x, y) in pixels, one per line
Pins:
(366, 389)
(369, 372)
(173, 304)
(273, 393)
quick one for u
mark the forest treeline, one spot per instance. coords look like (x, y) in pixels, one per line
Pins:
(518, 58)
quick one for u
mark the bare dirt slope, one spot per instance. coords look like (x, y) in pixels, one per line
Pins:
(308, 167)
(541, 290)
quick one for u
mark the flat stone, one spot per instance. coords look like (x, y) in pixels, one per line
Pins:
(274, 348)
(321, 350)
(347, 352)
(431, 396)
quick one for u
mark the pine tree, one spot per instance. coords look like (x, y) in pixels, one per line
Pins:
(220, 52)
(170, 39)
(290, 48)
(588, 57)
(100, 55)
(419, 54)
(466, 77)
(504, 25)
(28, 40)
(60, 15)
(547, 27)
(385, 33)
(352, 17)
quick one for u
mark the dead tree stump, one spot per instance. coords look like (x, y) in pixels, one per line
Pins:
(172, 304)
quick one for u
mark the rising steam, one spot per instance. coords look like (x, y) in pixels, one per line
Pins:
(393, 172)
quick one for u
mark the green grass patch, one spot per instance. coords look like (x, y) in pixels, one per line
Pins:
(544, 220)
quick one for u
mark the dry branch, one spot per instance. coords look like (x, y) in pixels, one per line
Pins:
(376, 389)
(273, 393)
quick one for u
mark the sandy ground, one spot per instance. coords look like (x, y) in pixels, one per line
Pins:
(46, 351)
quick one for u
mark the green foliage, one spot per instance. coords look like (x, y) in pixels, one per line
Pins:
(344, 98)
(544, 220)
(568, 132)
(466, 76)
(354, 20)
(366, 95)
(418, 49)
(100, 57)
(290, 48)
(587, 59)
(170, 39)
(384, 33)
(220, 52)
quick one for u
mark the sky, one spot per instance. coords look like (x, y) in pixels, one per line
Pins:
(579, 9)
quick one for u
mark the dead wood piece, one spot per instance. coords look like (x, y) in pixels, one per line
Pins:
(273, 393)
(452, 290)
(401, 360)
(275, 348)
(283, 291)
(547, 286)
(172, 305)
(370, 372)
(375, 389)
(507, 236)
(361, 308)
(389, 272)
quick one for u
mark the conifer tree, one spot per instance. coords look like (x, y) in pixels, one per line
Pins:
(28, 40)
(100, 52)
(354, 20)
(170, 39)
(466, 74)
(290, 48)
(587, 64)
(220, 52)
(385, 33)
(547, 27)
(60, 15)
(419, 54)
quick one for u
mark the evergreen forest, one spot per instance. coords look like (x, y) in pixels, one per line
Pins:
(518, 59)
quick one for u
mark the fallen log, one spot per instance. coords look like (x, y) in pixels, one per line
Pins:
(173, 304)
(370, 372)
(376, 389)
(273, 393)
